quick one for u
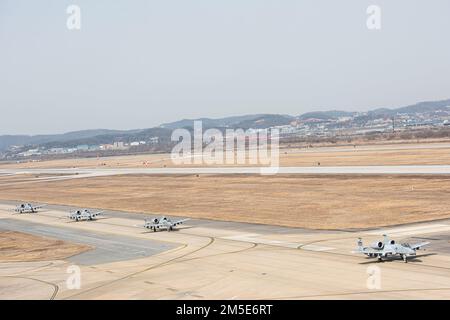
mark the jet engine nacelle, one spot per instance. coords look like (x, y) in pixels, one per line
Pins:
(377, 245)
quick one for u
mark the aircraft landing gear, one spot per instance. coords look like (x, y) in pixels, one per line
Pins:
(380, 259)
(405, 258)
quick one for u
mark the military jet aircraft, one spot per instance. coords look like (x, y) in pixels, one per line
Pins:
(388, 247)
(84, 214)
(162, 223)
(27, 208)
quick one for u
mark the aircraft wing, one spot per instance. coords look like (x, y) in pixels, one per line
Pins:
(96, 213)
(152, 224)
(419, 245)
(370, 250)
(180, 222)
(161, 225)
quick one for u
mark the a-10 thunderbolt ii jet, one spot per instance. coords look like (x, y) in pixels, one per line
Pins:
(27, 208)
(388, 247)
(84, 214)
(162, 223)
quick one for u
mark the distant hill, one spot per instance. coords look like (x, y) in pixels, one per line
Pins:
(421, 107)
(211, 123)
(326, 115)
(10, 140)
(257, 121)
(110, 137)
(265, 121)
(244, 122)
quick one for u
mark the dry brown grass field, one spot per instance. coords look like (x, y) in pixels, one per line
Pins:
(320, 202)
(438, 153)
(18, 246)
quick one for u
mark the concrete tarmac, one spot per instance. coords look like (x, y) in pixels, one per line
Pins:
(221, 260)
(107, 247)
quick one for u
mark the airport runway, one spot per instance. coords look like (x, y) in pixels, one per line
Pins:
(221, 260)
(72, 173)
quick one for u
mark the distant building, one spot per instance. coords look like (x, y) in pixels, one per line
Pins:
(31, 152)
(56, 150)
(83, 147)
(119, 145)
(106, 147)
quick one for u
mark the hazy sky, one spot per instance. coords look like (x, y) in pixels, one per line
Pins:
(136, 64)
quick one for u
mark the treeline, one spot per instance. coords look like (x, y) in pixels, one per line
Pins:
(413, 134)
(144, 135)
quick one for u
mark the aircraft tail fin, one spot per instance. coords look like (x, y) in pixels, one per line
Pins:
(360, 244)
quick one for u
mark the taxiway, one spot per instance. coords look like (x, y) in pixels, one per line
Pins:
(221, 260)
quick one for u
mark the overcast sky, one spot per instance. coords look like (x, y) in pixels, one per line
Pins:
(137, 64)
